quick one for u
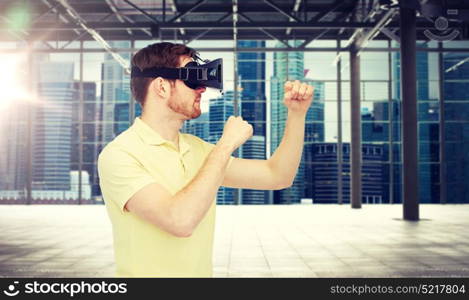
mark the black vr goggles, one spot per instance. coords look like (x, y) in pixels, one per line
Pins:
(192, 74)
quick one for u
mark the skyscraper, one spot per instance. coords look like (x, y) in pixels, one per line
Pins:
(251, 71)
(14, 150)
(115, 95)
(220, 110)
(324, 176)
(52, 128)
(287, 66)
(456, 105)
(428, 123)
(314, 133)
(90, 139)
(290, 66)
(13, 147)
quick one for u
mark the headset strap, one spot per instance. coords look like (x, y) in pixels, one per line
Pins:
(170, 73)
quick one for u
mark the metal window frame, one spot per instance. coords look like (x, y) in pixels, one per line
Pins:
(440, 50)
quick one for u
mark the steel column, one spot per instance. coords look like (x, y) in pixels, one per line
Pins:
(29, 125)
(80, 126)
(355, 146)
(340, 159)
(391, 127)
(131, 100)
(409, 114)
(238, 195)
(441, 78)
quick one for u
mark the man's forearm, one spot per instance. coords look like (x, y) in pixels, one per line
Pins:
(286, 159)
(191, 203)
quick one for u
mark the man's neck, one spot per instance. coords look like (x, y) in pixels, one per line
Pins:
(167, 128)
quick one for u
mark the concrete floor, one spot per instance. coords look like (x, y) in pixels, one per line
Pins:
(253, 241)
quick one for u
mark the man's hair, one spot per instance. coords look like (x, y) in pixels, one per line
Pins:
(158, 55)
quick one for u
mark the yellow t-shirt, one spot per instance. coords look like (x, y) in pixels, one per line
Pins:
(137, 157)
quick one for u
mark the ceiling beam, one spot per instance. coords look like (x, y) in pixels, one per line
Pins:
(296, 7)
(282, 11)
(84, 33)
(207, 25)
(42, 14)
(369, 35)
(144, 12)
(457, 65)
(114, 9)
(213, 35)
(96, 36)
(210, 29)
(322, 33)
(337, 4)
(182, 14)
(231, 49)
(100, 7)
(269, 34)
(391, 34)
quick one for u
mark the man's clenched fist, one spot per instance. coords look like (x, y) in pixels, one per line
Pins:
(298, 96)
(236, 132)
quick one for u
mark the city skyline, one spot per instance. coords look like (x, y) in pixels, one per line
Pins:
(107, 112)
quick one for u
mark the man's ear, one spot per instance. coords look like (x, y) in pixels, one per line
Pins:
(161, 87)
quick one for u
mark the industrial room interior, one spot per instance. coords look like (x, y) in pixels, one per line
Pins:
(382, 187)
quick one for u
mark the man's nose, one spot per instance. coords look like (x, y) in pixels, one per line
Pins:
(200, 89)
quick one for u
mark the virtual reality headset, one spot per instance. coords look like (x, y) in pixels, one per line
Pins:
(192, 74)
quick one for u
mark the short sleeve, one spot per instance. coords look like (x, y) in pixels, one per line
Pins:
(121, 176)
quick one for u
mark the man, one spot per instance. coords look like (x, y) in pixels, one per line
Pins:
(160, 185)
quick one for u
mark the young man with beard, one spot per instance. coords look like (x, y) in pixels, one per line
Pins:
(160, 185)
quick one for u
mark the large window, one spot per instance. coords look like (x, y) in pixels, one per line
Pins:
(66, 106)
(456, 126)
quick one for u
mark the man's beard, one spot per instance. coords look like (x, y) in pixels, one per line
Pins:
(191, 112)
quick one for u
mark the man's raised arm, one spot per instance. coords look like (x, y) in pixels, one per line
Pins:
(287, 157)
(279, 171)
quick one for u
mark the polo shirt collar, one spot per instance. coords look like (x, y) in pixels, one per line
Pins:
(183, 145)
(151, 137)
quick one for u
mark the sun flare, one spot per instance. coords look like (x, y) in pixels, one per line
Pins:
(13, 80)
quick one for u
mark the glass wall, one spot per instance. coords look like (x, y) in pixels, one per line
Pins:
(54, 125)
(15, 138)
(456, 126)
(375, 94)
